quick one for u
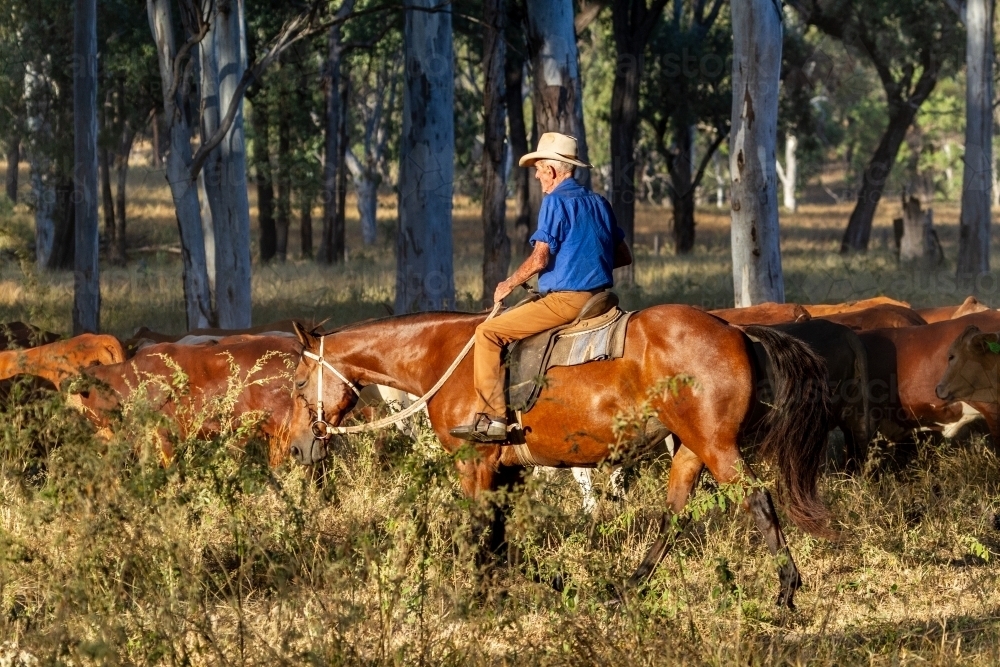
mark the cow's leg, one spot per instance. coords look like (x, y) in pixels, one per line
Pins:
(684, 473)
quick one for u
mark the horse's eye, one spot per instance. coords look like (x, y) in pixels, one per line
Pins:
(951, 357)
(301, 383)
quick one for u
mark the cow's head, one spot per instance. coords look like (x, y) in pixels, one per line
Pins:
(971, 374)
(320, 398)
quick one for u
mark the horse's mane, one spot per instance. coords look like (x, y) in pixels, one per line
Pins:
(395, 318)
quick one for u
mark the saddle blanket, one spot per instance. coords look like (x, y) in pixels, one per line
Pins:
(595, 339)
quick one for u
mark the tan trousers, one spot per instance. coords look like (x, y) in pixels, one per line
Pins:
(552, 310)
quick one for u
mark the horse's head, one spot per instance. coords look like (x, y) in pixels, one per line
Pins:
(321, 397)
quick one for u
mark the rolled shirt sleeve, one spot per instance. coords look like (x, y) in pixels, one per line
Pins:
(551, 225)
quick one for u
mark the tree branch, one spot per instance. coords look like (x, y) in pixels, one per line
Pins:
(720, 136)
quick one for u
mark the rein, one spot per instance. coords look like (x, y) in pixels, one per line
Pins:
(322, 429)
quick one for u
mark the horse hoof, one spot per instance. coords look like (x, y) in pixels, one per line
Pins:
(615, 599)
(785, 600)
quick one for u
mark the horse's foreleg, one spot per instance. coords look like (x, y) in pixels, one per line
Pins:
(684, 472)
(485, 474)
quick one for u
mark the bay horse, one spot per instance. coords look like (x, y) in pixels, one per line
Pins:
(571, 425)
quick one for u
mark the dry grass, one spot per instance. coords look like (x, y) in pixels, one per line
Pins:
(108, 558)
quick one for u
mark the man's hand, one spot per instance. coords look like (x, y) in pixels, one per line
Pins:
(536, 261)
(502, 291)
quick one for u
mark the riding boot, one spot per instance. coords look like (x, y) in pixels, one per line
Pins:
(484, 428)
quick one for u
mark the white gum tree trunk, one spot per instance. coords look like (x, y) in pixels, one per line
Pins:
(86, 279)
(231, 218)
(757, 35)
(557, 95)
(424, 269)
(209, 178)
(183, 189)
(977, 180)
(43, 187)
(789, 174)
(366, 182)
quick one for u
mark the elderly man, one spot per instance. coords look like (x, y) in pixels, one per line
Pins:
(577, 245)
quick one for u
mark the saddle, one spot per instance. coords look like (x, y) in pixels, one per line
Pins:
(597, 334)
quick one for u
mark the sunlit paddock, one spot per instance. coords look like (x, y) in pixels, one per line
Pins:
(216, 559)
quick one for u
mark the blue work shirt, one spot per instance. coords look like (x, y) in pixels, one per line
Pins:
(582, 234)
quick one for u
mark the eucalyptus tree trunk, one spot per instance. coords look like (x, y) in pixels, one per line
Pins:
(37, 95)
(366, 179)
(496, 245)
(86, 276)
(632, 24)
(13, 160)
(231, 220)
(306, 225)
(331, 244)
(682, 189)
(757, 36)
(789, 174)
(513, 83)
(125, 149)
(424, 269)
(183, 189)
(107, 197)
(557, 95)
(210, 182)
(260, 122)
(282, 220)
(977, 179)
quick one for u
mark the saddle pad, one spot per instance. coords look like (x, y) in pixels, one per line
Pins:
(596, 339)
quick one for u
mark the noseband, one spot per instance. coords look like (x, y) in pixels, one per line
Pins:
(320, 428)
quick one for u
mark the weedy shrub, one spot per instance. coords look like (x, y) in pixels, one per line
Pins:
(111, 556)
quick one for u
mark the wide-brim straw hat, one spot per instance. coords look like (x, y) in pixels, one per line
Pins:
(554, 146)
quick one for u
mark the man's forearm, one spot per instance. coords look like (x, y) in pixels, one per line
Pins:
(535, 262)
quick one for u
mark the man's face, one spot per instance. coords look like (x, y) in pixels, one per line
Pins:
(546, 175)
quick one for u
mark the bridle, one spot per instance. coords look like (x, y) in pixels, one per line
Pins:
(320, 428)
(323, 430)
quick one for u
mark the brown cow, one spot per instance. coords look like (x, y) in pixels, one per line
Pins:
(971, 374)
(969, 306)
(904, 367)
(287, 326)
(821, 310)
(886, 316)
(206, 389)
(20, 336)
(763, 313)
(57, 361)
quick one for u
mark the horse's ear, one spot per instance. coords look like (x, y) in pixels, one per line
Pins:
(304, 336)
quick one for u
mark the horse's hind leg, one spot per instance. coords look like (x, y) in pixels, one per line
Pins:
(684, 472)
(761, 508)
(758, 503)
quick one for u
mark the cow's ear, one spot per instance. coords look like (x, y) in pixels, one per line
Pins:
(304, 336)
(987, 343)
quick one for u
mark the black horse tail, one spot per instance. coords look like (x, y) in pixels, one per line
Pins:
(796, 427)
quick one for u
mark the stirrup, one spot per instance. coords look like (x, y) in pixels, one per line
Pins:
(484, 428)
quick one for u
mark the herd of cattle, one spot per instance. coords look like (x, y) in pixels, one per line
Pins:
(891, 369)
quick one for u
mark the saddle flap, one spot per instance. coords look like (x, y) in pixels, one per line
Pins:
(595, 339)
